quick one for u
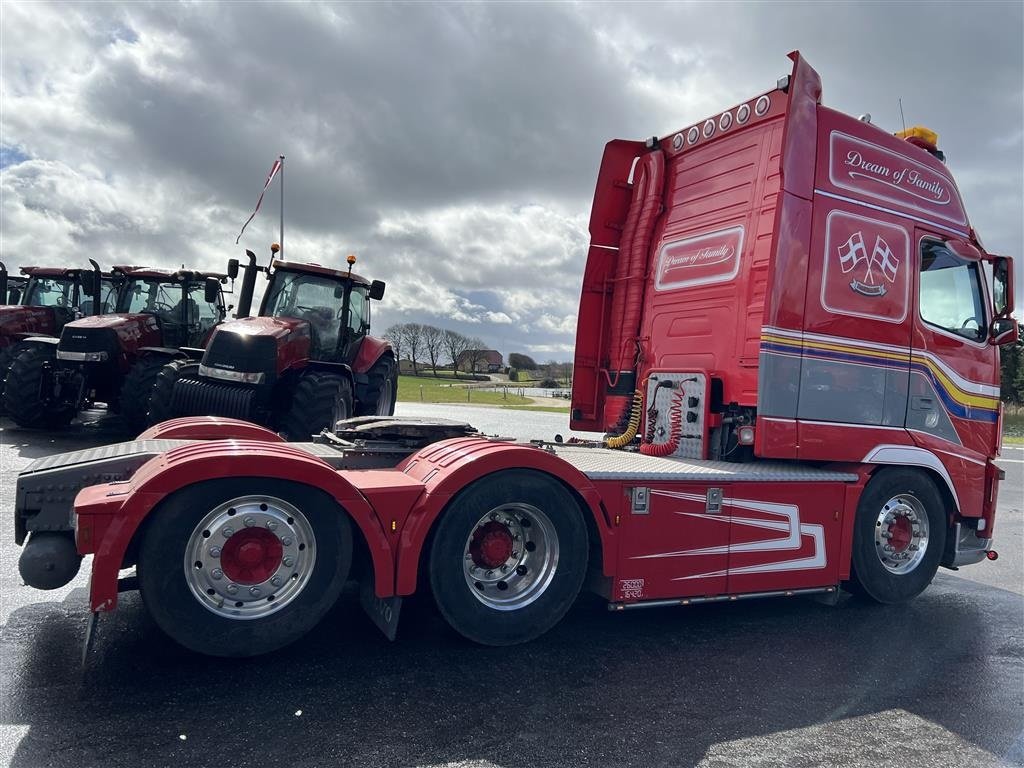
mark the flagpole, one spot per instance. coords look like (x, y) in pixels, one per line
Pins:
(281, 158)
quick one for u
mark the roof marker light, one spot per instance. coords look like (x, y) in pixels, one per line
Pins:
(743, 114)
(782, 83)
(725, 121)
(709, 129)
(761, 105)
(677, 141)
(693, 134)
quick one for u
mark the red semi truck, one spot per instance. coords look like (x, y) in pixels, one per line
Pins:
(787, 323)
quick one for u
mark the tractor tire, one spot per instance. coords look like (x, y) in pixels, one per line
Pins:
(222, 588)
(508, 558)
(319, 401)
(162, 398)
(7, 356)
(899, 535)
(381, 391)
(137, 389)
(23, 396)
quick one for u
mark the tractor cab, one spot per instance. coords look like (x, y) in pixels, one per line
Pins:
(335, 304)
(184, 308)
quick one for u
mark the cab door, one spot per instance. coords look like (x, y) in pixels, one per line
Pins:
(954, 388)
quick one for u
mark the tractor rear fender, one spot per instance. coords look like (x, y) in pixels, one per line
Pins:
(209, 428)
(109, 516)
(370, 351)
(50, 340)
(447, 467)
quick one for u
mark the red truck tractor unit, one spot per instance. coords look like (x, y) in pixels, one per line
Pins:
(114, 358)
(304, 364)
(787, 325)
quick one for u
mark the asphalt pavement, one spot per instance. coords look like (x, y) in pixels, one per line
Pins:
(790, 682)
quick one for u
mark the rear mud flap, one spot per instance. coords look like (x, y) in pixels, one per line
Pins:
(383, 611)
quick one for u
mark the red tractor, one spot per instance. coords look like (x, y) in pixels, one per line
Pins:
(160, 315)
(45, 300)
(304, 364)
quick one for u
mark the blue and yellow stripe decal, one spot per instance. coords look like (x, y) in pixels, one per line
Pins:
(962, 398)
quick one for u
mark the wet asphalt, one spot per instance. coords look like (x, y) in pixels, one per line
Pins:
(790, 682)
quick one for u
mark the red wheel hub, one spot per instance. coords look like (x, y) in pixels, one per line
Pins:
(251, 556)
(491, 545)
(901, 532)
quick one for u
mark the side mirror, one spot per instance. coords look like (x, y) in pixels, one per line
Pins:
(964, 250)
(377, 290)
(1003, 330)
(339, 291)
(1002, 286)
(232, 268)
(212, 290)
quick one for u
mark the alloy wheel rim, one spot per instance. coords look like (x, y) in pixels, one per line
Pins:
(901, 534)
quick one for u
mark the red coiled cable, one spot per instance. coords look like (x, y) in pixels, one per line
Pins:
(675, 426)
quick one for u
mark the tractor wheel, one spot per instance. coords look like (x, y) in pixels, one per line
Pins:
(7, 356)
(319, 401)
(381, 390)
(243, 566)
(24, 399)
(898, 537)
(161, 399)
(508, 557)
(137, 389)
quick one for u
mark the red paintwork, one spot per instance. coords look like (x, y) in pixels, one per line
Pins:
(371, 349)
(109, 515)
(293, 339)
(20, 321)
(763, 195)
(251, 555)
(318, 269)
(134, 331)
(158, 272)
(209, 428)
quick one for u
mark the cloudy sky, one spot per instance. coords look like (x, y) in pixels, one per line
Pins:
(453, 147)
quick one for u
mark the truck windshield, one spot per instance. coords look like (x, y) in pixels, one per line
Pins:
(951, 292)
(317, 299)
(50, 292)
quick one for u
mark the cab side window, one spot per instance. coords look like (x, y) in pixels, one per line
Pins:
(950, 292)
(200, 312)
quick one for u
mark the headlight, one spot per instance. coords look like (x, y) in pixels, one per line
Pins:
(243, 377)
(83, 357)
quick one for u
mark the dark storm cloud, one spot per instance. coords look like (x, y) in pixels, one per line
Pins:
(453, 147)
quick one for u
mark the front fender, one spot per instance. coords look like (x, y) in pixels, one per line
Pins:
(445, 468)
(51, 341)
(108, 516)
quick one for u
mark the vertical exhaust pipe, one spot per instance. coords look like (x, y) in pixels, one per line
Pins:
(3, 283)
(248, 287)
(97, 288)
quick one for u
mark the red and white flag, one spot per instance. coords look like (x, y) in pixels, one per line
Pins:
(885, 259)
(270, 177)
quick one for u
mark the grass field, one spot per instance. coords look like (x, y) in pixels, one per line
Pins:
(427, 389)
(1013, 425)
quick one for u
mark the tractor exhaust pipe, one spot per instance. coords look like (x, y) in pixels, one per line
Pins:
(3, 283)
(97, 288)
(248, 287)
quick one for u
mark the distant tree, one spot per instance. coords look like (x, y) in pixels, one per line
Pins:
(395, 335)
(475, 353)
(521, 361)
(455, 344)
(1011, 370)
(433, 342)
(413, 343)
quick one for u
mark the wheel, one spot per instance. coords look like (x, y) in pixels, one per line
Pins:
(381, 390)
(7, 355)
(899, 535)
(24, 397)
(320, 400)
(508, 557)
(137, 389)
(243, 566)
(161, 398)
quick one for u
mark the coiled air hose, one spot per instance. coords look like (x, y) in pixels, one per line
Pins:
(675, 416)
(636, 411)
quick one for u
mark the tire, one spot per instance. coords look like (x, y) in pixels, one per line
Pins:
(468, 544)
(23, 398)
(161, 399)
(899, 510)
(318, 540)
(7, 356)
(319, 400)
(381, 391)
(137, 389)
